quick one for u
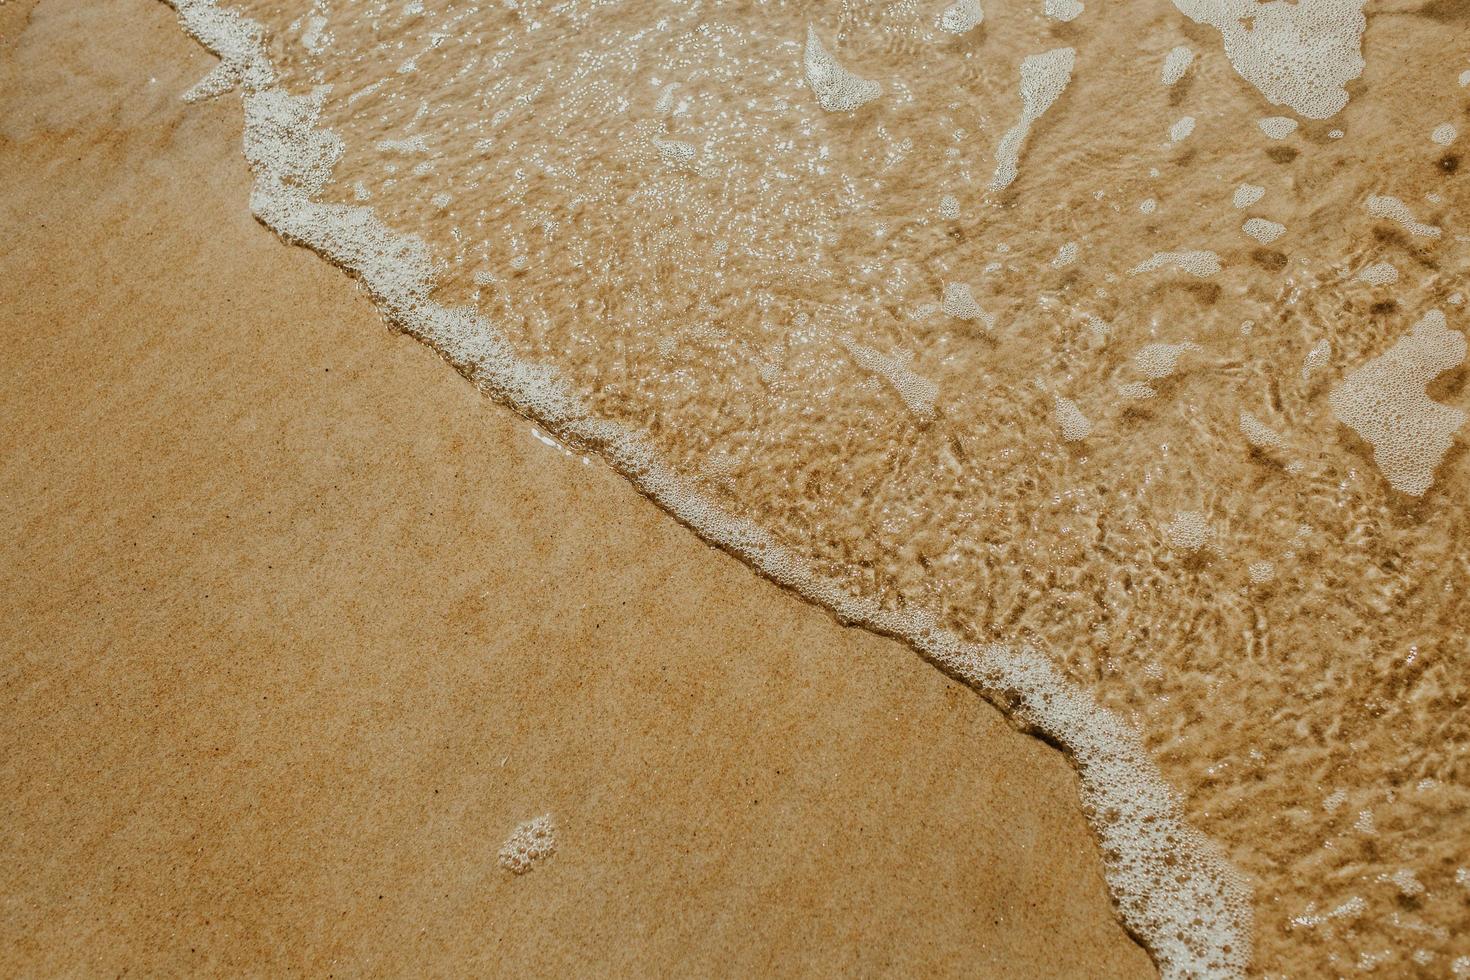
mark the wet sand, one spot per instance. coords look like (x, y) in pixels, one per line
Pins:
(299, 626)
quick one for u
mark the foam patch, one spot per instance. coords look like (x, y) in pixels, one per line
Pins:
(1299, 55)
(1385, 402)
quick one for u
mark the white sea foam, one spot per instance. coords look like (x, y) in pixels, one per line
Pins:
(1173, 887)
(1263, 231)
(1063, 10)
(1070, 420)
(1393, 209)
(1157, 361)
(836, 88)
(1385, 402)
(1278, 127)
(1176, 63)
(1298, 55)
(959, 302)
(1248, 194)
(917, 392)
(1316, 359)
(1379, 274)
(1043, 79)
(961, 17)
(1258, 433)
(1197, 262)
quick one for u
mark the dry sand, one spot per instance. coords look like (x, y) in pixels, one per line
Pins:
(298, 627)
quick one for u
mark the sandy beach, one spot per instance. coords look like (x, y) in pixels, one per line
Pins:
(299, 626)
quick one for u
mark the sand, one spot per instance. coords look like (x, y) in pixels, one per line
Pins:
(299, 627)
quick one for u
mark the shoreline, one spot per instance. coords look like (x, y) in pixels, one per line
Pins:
(358, 591)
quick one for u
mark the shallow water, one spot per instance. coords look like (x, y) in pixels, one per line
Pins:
(986, 401)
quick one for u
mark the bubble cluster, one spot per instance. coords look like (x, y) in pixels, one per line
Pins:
(1248, 194)
(1043, 79)
(1383, 206)
(1298, 55)
(1157, 361)
(917, 392)
(1189, 531)
(1063, 10)
(959, 302)
(961, 17)
(1379, 274)
(1278, 127)
(1176, 63)
(836, 88)
(1257, 433)
(1263, 231)
(528, 844)
(1385, 402)
(1199, 263)
(1070, 420)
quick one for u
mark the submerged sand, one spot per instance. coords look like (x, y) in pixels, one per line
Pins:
(299, 627)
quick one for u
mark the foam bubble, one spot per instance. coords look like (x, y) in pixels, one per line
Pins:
(1263, 231)
(1136, 391)
(1395, 210)
(836, 88)
(1261, 572)
(314, 36)
(1189, 531)
(1070, 420)
(1316, 358)
(1176, 63)
(674, 152)
(1197, 262)
(1157, 361)
(1385, 402)
(1181, 129)
(528, 844)
(959, 302)
(1063, 10)
(1350, 909)
(664, 104)
(1408, 885)
(1248, 194)
(1257, 433)
(1148, 206)
(1379, 274)
(917, 392)
(1296, 54)
(961, 17)
(949, 206)
(1444, 134)
(1278, 127)
(1065, 256)
(1043, 78)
